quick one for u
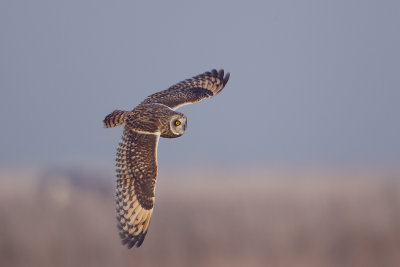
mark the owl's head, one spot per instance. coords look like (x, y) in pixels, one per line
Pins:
(175, 127)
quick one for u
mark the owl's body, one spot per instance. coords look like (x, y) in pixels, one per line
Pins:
(137, 151)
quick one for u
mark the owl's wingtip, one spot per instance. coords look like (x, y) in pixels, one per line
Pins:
(132, 241)
(226, 78)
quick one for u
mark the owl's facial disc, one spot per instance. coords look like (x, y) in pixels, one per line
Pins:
(178, 125)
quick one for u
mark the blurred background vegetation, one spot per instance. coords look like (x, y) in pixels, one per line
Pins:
(260, 217)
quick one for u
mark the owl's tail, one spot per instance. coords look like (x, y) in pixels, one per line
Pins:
(115, 118)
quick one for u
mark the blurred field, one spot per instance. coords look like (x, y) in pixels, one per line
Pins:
(204, 218)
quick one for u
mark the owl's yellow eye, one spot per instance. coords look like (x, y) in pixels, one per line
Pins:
(177, 123)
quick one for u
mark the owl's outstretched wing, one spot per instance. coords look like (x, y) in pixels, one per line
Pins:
(136, 180)
(191, 90)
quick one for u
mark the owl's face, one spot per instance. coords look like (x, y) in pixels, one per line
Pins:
(176, 126)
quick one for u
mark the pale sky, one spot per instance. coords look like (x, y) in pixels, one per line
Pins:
(312, 82)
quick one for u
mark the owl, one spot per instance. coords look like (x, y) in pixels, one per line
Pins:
(136, 161)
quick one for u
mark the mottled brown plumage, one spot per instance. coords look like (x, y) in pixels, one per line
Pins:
(191, 90)
(137, 151)
(115, 118)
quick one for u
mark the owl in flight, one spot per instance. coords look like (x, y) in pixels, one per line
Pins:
(137, 151)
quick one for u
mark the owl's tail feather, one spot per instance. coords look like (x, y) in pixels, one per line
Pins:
(115, 118)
